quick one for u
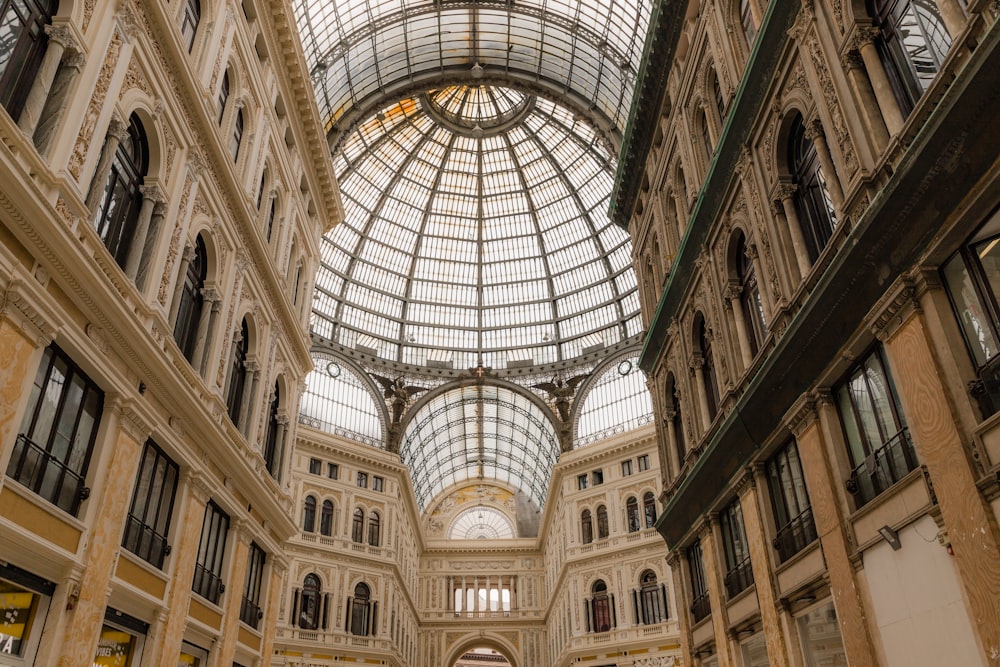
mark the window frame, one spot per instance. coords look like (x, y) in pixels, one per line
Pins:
(309, 514)
(160, 467)
(121, 203)
(190, 20)
(736, 550)
(211, 556)
(795, 527)
(251, 611)
(813, 205)
(25, 56)
(38, 416)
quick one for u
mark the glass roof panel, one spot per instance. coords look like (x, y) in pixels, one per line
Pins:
(361, 53)
(474, 209)
(481, 523)
(479, 432)
(617, 401)
(338, 401)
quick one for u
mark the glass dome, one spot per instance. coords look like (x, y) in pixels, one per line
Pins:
(476, 234)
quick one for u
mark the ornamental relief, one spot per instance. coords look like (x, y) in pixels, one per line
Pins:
(842, 137)
(175, 240)
(135, 78)
(84, 140)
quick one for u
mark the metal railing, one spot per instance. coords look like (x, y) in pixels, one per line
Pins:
(207, 584)
(795, 535)
(142, 540)
(882, 468)
(739, 578)
(46, 475)
(701, 607)
(250, 613)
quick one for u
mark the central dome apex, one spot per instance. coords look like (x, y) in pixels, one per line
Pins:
(475, 234)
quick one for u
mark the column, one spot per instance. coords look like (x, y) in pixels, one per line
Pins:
(193, 495)
(211, 297)
(814, 133)
(732, 294)
(810, 420)
(58, 98)
(247, 400)
(864, 43)
(785, 194)
(225, 646)
(117, 130)
(465, 597)
(277, 456)
(763, 282)
(714, 571)
(697, 364)
(182, 267)
(278, 567)
(149, 245)
(751, 501)
(475, 594)
(151, 195)
(59, 39)
(968, 518)
(126, 434)
(867, 104)
(674, 456)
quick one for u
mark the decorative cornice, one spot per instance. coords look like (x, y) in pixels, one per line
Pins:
(801, 414)
(897, 305)
(18, 307)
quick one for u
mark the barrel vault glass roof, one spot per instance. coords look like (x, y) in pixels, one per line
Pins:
(363, 54)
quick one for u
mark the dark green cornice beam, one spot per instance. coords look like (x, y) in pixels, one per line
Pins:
(952, 151)
(754, 88)
(651, 87)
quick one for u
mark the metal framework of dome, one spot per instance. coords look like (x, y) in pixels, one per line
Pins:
(475, 234)
(365, 54)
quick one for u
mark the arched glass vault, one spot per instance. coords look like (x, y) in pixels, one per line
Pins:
(479, 432)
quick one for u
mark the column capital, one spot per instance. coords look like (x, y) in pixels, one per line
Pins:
(199, 483)
(117, 128)
(61, 34)
(896, 306)
(153, 193)
(733, 291)
(785, 191)
(189, 254)
(696, 361)
(252, 366)
(211, 294)
(801, 414)
(852, 60)
(863, 36)
(814, 130)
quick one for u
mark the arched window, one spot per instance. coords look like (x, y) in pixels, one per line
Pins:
(706, 137)
(236, 138)
(586, 527)
(708, 369)
(189, 22)
(676, 421)
(269, 223)
(238, 373)
(326, 519)
(358, 526)
(649, 509)
(746, 20)
(750, 301)
(720, 100)
(602, 522)
(191, 301)
(652, 603)
(912, 44)
(374, 529)
(223, 98)
(632, 514)
(118, 214)
(812, 201)
(260, 190)
(601, 607)
(271, 454)
(22, 47)
(309, 515)
(359, 609)
(309, 605)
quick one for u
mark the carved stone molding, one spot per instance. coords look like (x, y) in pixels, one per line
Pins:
(801, 414)
(17, 306)
(895, 307)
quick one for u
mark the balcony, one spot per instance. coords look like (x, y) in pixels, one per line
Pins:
(795, 536)
(882, 468)
(739, 578)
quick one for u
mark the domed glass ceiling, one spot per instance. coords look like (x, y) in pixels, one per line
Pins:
(475, 234)
(364, 54)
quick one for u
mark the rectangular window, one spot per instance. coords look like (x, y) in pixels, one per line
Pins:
(315, 467)
(877, 438)
(250, 611)
(363, 480)
(378, 484)
(643, 462)
(211, 551)
(597, 477)
(739, 574)
(53, 448)
(192, 656)
(582, 482)
(792, 514)
(148, 523)
(24, 603)
(121, 639)
(626, 468)
(700, 604)
(819, 634)
(332, 470)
